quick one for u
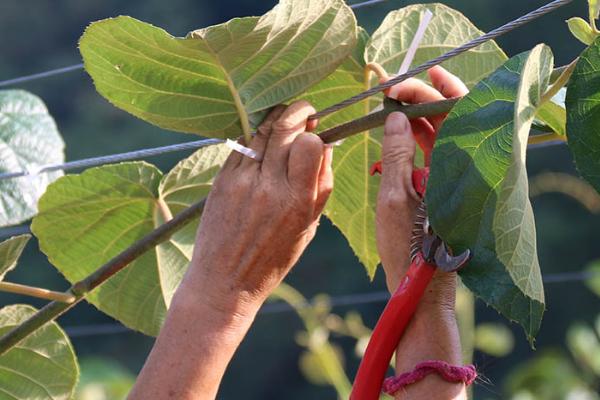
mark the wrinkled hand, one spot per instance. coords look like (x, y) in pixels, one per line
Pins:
(260, 216)
(397, 200)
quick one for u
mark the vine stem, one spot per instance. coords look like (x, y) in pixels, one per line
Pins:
(161, 234)
(40, 293)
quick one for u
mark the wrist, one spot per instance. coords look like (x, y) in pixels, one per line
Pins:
(227, 315)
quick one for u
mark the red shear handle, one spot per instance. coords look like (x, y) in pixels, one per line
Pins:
(389, 330)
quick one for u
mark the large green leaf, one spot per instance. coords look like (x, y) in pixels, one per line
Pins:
(448, 29)
(221, 80)
(583, 115)
(351, 206)
(478, 191)
(87, 219)
(28, 139)
(43, 366)
(10, 251)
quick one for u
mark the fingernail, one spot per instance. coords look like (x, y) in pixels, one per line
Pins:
(397, 124)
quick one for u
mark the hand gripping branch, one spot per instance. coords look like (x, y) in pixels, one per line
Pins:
(428, 252)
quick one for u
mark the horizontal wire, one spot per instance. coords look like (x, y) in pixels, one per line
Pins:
(335, 301)
(77, 67)
(150, 152)
(523, 20)
(41, 75)
(112, 158)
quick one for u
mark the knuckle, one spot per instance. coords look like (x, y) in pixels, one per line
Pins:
(264, 130)
(284, 126)
(394, 199)
(311, 141)
(398, 155)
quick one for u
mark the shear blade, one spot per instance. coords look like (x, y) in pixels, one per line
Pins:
(449, 263)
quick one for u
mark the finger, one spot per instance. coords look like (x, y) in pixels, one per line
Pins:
(234, 159)
(306, 155)
(425, 135)
(325, 181)
(415, 91)
(263, 132)
(398, 156)
(448, 84)
(284, 131)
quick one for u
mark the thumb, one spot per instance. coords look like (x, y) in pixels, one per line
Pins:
(398, 155)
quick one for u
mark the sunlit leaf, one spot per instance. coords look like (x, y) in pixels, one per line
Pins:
(494, 339)
(582, 30)
(351, 207)
(554, 116)
(28, 139)
(103, 379)
(448, 29)
(594, 281)
(87, 219)
(42, 366)
(583, 117)
(10, 251)
(218, 81)
(478, 190)
(585, 346)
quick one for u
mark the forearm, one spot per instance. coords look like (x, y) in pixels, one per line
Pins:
(432, 335)
(194, 347)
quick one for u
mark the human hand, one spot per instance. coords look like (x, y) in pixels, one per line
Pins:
(397, 200)
(260, 216)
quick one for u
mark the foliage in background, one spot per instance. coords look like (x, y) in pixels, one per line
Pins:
(29, 139)
(90, 215)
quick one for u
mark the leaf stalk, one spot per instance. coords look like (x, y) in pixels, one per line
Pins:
(40, 293)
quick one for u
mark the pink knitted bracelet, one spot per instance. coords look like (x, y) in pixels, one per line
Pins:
(450, 373)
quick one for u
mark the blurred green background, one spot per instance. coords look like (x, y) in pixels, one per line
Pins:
(36, 35)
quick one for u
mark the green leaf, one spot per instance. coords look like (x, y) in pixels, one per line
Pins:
(448, 29)
(554, 116)
(583, 117)
(28, 139)
(478, 190)
(494, 339)
(351, 206)
(581, 30)
(103, 379)
(87, 219)
(585, 346)
(218, 81)
(43, 366)
(594, 8)
(593, 283)
(10, 251)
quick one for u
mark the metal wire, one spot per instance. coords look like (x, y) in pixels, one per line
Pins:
(113, 158)
(452, 53)
(41, 75)
(335, 301)
(77, 67)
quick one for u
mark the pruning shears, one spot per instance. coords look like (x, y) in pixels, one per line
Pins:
(428, 252)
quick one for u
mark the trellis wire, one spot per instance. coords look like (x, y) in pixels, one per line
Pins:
(95, 161)
(334, 301)
(41, 75)
(113, 158)
(452, 53)
(77, 67)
